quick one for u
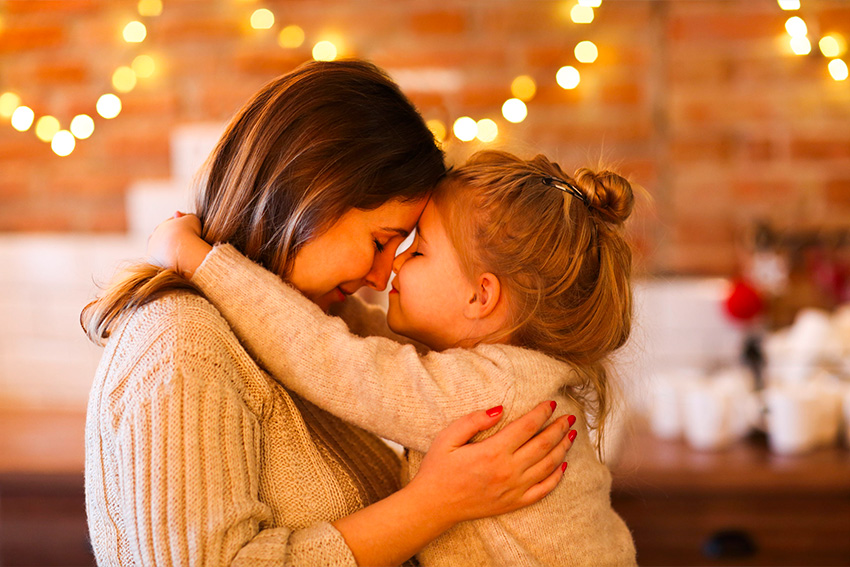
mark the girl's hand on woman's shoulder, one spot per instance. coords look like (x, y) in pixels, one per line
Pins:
(514, 468)
(176, 244)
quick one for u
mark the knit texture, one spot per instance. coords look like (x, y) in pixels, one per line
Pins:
(393, 391)
(195, 456)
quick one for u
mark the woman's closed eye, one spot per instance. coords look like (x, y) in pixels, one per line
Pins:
(414, 254)
(378, 246)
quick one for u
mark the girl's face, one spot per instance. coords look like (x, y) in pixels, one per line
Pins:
(430, 291)
(357, 250)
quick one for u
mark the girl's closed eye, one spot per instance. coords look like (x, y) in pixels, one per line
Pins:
(414, 254)
(378, 246)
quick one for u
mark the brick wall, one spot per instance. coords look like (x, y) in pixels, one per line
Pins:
(698, 101)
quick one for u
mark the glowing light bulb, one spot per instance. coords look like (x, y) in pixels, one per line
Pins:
(437, 128)
(324, 51)
(46, 127)
(8, 103)
(124, 79)
(290, 36)
(487, 130)
(150, 7)
(262, 19)
(789, 4)
(581, 14)
(801, 45)
(63, 143)
(144, 66)
(838, 69)
(108, 106)
(796, 27)
(465, 129)
(523, 88)
(22, 118)
(514, 110)
(832, 45)
(590, 3)
(586, 52)
(568, 77)
(135, 32)
(82, 126)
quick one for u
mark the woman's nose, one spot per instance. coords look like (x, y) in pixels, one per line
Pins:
(399, 260)
(378, 277)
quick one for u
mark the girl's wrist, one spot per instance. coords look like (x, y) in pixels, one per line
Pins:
(190, 255)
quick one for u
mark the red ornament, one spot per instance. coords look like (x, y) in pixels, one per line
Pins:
(744, 302)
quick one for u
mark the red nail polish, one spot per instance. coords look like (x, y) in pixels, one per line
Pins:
(571, 420)
(554, 405)
(572, 435)
(563, 467)
(493, 412)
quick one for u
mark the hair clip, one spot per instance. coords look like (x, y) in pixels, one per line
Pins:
(566, 187)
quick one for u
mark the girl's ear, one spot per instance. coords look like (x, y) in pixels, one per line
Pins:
(486, 296)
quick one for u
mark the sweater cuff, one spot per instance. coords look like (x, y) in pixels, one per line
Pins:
(218, 260)
(319, 545)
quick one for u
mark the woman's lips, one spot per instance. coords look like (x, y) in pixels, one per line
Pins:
(341, 294)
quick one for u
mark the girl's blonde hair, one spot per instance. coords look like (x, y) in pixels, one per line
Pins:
(556, 243)
(309, 146)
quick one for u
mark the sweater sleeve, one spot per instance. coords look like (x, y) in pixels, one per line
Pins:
(187, 452)
(376, 383)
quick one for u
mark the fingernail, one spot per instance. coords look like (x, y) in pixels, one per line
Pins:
(493, 412)
(572, 435)
(563, 467)
(554, 405)
(571, 420)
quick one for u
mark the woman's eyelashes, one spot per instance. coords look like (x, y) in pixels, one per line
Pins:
(378, 246)
(414, 254)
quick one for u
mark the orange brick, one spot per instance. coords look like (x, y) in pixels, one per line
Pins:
(16, 38)
(438, 22)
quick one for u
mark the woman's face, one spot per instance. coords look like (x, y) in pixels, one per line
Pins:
(355, 251)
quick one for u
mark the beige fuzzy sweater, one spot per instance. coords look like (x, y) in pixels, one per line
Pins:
(391, 390)
(195, 456)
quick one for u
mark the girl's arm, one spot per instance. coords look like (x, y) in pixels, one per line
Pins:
(378, 384)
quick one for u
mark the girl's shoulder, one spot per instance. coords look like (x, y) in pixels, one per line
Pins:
(527, 361)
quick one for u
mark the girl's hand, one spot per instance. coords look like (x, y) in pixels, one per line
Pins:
(516, 467)
(177, 244)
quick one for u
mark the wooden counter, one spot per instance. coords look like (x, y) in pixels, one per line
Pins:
(741, 506)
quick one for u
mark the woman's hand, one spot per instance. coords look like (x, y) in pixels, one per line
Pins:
(177, 244)
(516, 467)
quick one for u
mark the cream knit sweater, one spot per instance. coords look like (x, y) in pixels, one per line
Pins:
(195, 456)
(391, 390)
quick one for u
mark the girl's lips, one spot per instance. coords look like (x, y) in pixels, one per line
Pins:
(341, 294)
(393, 290)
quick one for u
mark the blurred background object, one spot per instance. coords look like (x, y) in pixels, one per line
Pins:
(733, 114)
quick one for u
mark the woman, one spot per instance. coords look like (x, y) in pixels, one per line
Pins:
(196, 456)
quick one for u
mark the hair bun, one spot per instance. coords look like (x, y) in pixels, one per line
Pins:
(608, 194)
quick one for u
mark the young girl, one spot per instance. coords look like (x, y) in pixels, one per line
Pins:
(522, 266)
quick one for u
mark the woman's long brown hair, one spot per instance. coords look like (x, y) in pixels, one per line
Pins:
(309, 146)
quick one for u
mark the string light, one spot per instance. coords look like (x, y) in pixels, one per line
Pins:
(63, 143)
(150, 7)
(838, 69)
(465, 129)
(8, 103)
(514, 110)
(524, 88)
(789, 4)
(324, 51)
(108, 106)
(124, 79)
(581, 14)
(46, 127)
(832, 45)
(290, 37)
(135, 32)
(82, 126)
(590, 3)
(796, 27)
(486, 130)
(22, 118)
(262, 19)
(801, 45)
(568, 77)
(586, 52)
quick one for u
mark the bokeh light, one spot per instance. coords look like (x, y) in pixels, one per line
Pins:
(590, 3)
(9, 101)
(523, 88)
(568, 77)
(124, 79)
(789, 4)
(796, 27)
(290, 37)
(262, 19)
(581, 14)
(150, 7)
(108, 106)
(801, 45)
(46, 127)
(82, 126)
(143, 66)
(63, 143)
(135, 32)
(22, 118)
(586, 52)
(514, 110)
(324, 51)
(838, 69)
(486, 130)
(465, 129)
(833, 45)
(437, 128)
